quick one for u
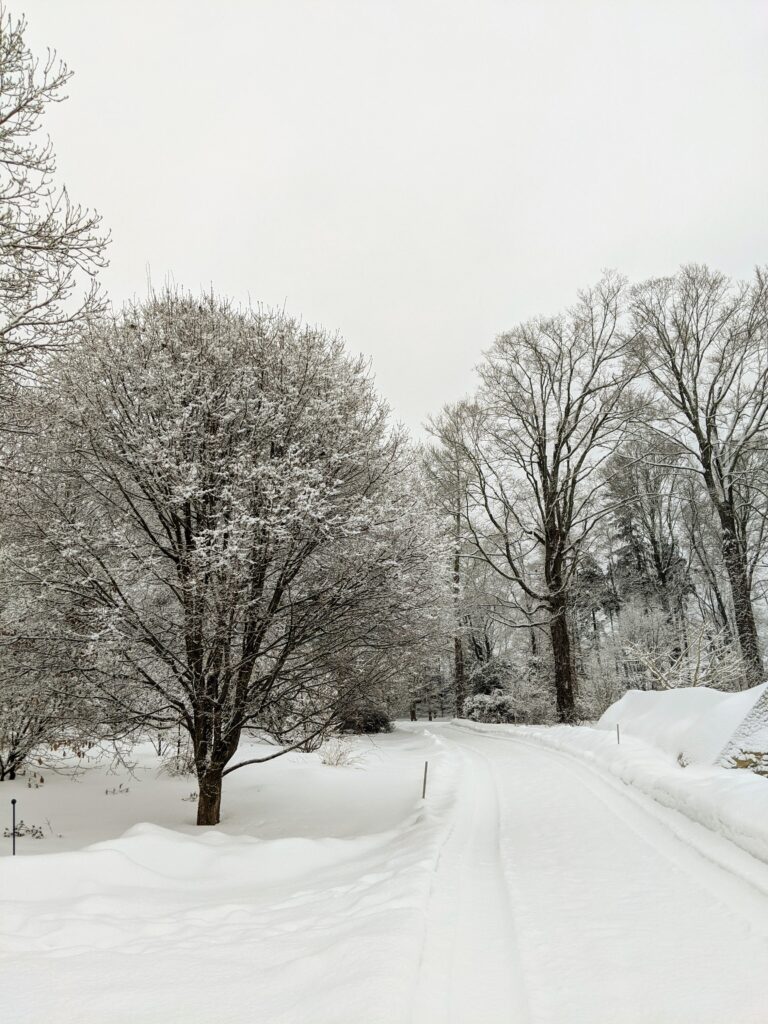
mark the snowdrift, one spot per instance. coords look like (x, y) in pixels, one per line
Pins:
(696, 724)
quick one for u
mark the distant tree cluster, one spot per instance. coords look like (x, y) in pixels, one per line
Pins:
(607, 494)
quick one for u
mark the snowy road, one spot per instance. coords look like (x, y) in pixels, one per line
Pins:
(558, 898)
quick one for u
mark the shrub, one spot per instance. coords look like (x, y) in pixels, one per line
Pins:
(178, 760)
(528, 703)
(364, 718)
(490, 677)
(339, 753)
(22, 829)
(497, 707)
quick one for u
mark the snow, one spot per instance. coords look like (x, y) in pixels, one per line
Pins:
(729, 802)
(534, 885)
(615, 915)
(292, 796)
(696, 723)
(315, 874)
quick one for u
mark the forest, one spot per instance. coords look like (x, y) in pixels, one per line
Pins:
(213, 526)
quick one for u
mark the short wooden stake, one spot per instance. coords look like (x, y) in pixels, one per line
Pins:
(424, 786)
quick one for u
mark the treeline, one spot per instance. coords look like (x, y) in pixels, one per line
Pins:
(605, 494)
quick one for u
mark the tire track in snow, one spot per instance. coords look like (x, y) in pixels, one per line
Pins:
(614, 920)
(670, 831)
(470, 971)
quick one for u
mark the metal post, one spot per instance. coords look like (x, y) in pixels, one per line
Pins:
(618, 734)
(424, 786)
(13, 829)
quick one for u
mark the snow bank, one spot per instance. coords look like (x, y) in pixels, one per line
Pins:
(696, 723)
(729, 802)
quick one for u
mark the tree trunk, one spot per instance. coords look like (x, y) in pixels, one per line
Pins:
(460, 684)
(534, 645)
(721, 609)
(209, 800)
(743, 613)
(563, 664)
(459, 679)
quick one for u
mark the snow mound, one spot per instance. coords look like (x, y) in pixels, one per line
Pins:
(695, 723)
(149, 857)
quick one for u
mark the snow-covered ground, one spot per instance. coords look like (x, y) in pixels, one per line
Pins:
(730, 803)
(534, 885)
(305, 904)
(614, 913)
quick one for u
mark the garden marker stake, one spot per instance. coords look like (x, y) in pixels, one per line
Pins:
(424, 786)
(13, 826)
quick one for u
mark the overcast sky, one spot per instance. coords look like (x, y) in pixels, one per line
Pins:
(418, 175)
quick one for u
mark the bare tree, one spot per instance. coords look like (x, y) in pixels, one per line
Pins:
(47, 242)
(702, 342)
(553, 406)
(447, 471)
(645, 481)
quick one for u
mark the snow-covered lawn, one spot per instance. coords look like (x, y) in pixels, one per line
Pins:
(305, 904)
(292, 796)
(534, 885)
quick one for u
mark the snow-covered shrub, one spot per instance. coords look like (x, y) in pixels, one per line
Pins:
(178, 759)
(490, 676)
(43, 710)
(37, 716)
(596, 694)
(339, 753)
(497, 707)
(526, 702)
(362, 717)
(708, 658)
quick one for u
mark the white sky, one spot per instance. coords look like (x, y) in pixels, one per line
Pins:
(420, 175)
